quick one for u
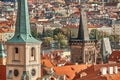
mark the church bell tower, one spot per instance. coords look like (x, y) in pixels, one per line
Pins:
(23, 51)
(83, 49)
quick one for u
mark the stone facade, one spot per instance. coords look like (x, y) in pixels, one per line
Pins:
(116, 27)
(83, 50)
(23, 50)
(21, 58)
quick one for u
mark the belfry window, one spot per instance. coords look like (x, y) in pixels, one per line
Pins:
(33, 53)
(16, 50)
(16, 55)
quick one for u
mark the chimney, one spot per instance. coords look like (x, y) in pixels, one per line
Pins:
(103, 70)
(110, 70)
(43, 52)
(76, 63)
(115, 69)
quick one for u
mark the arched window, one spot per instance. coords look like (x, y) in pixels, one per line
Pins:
(33, 53)
(52, 79)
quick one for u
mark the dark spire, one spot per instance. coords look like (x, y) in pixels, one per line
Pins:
(83, 29)
(22, 32)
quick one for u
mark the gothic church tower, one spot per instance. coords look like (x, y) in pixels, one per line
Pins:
(83, 50)
(23, 51)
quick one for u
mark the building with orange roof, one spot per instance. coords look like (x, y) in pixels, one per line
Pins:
(116, 27)
(114, 57)
(69, 71)
(64, 72)
(46, 63)
(55, 57)
(99, 72)
(6, 34)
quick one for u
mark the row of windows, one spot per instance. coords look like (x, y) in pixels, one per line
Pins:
(32, 51)
(17, 52)
(16, 73)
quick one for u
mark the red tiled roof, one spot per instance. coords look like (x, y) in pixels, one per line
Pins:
(115, 56)
(71, 26)
(2, 72)
(94, 26)
(7, 23)
(69, 71)
(56, 51)
(46, 63)
(3, 30)
(113, 15)
(45, 56)
(96, 74)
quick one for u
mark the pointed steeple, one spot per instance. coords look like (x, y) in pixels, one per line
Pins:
(83, 29)
(2, 53)
(22, 32)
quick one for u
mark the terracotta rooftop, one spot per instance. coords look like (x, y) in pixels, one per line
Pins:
(6, 23)
(96, 73)
(115, 56)
(113, 15)
(70, 70)
(45, 56)
(71, 26)
(46, 63)
(3, 30)
(56, 51)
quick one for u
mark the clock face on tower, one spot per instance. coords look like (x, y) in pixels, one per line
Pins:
(33, 72)
(16, 72)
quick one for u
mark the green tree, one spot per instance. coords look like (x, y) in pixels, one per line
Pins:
(98, 34)
(66, 32)
(61, 39)
(34, 33)
(48, 33)
(93, 33)
(63, 43)
(56, 31)
(47, 41)
(114, 38)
